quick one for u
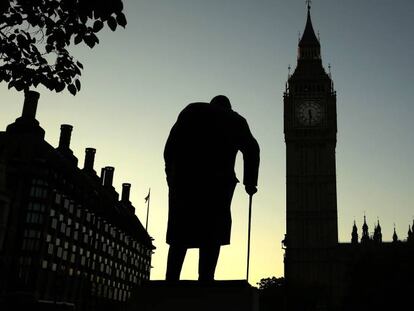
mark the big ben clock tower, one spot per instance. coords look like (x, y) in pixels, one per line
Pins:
(310, 127)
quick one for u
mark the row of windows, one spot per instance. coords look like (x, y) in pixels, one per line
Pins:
(100, 242)
(31, 240)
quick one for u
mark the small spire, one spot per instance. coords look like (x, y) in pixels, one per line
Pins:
(309, 2)
(395, 236)
(354, 235)
(365, 234)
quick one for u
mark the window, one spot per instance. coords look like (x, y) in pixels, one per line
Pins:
(34, 218)
(58, 198)
(44, 264)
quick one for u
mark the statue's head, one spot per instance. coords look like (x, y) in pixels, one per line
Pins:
(221, 101)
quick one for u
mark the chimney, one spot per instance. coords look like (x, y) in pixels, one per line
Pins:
(64, 140)
(102, 175)
(125, 192)
(108, 176)
(89, 159)
(30, 105)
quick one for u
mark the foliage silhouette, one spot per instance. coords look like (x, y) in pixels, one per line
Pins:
(35, 36)
(272, 293)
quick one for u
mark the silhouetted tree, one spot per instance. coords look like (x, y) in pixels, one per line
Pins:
(272, 293)
(35, 36)
(269, 283)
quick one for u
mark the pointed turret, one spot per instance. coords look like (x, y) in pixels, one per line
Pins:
(365, 234)
(309, 77)
(354, 238)
(378, 233)
(309, 45)
(395, 236)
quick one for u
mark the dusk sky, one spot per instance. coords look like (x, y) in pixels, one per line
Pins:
(174, 52)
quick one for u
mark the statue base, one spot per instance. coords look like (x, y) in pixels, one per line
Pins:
(195, 296)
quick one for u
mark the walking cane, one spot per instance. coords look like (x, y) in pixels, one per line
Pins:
(248, 237)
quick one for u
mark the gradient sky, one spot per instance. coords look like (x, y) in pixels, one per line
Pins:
(174, 52)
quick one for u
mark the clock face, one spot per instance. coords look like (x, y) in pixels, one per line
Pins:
(309, 113)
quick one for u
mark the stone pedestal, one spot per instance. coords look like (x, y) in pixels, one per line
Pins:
(195, 296)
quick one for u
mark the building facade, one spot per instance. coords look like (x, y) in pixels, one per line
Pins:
(65, 235)
(320, 273)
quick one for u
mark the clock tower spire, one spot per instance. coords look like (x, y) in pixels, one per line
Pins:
(310, 127)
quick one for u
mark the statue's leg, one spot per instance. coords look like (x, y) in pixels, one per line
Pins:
(176, 255)
(207, 262)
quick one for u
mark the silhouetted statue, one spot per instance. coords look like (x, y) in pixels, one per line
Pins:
(200, 155)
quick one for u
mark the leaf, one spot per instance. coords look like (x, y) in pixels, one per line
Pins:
(97, 25)
(78, 84)
(59, 86)
(112, 23)
(121, 19)
(49, 48)
(89, 40)
(72, 89)
(21, 40)
(78, 39)
(19, 85)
